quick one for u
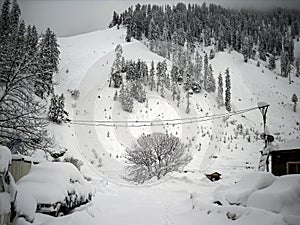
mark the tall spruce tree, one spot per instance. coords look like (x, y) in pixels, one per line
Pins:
(48, 62)
(220, 97)
(227, 90)
(152, 79)
(211, 82)
(205, 71)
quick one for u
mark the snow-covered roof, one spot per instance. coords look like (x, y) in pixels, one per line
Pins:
(289, 145)
(5, 158)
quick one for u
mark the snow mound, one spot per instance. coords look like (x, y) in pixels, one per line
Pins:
(26, 205)
(238, 193)
(4, 203)
(51, 182)
(5, 158)
(282, 196)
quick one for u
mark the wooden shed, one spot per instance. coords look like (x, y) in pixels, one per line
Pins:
(21, 165)
(285, 159)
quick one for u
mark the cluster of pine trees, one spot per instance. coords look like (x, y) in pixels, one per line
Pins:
(27, 64)
(252, 33)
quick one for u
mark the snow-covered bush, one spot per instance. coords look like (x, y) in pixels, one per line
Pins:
(75, 94)
(76, 162)
(155, 155)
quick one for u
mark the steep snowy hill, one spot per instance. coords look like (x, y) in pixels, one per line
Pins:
(228, 145)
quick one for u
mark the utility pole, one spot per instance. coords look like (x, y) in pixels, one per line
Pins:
(263, 108)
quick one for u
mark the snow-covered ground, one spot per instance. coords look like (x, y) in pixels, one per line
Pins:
(183, 198)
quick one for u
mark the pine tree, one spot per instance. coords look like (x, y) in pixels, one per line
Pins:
(246, 48)
(152, 74)
(187, 110)
(211, 54)
(227, 91)
(272, 64)
(211, 82)
(138, 91)
(220, 90)
(116, 95)
(198, 67)
(57, 112)
(158, 76)
(48, 62)
(174, 74)
(116, 68)
(126, 98)
(205, 71)
(174, 90)
(15, 14)
(295, 100)
(285, 66)
(298, 68)
(178, 97)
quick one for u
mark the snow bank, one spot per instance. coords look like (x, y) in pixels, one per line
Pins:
(238, 193)
(283, 196)
(50, 182)
(5, 158)
(4, 203)
(26, 205)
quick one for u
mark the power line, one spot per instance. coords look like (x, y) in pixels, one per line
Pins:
(148, 123)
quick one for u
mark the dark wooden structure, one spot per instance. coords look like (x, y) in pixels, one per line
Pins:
(213, 176)
(286, 159)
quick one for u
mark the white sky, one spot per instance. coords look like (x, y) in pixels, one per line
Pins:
(70, 17)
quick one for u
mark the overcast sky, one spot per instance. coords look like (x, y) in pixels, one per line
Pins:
(70, 17)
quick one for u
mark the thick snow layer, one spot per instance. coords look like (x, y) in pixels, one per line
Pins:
(283, 196)
(5, 158)
(291, 144)
(4, 203)
(238, 193)
(50, 182)
(85, 65)
(26, 205)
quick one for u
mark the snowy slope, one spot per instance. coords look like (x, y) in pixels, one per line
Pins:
(88, 59)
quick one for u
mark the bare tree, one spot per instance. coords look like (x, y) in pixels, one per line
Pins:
(155, 155)
(21, 121)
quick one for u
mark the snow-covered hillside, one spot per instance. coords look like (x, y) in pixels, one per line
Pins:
(85, 65)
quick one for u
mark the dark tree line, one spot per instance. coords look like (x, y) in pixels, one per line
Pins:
(27, 63)
(227, 27)
(264, 33)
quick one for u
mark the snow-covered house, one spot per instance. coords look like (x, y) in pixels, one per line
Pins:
(285, 158)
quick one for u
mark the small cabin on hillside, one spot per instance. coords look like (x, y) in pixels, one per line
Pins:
(285, 158)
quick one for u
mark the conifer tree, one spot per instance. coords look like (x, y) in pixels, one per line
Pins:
(227, 91)
(187, 110)
(174, 73)
(205, 71)
(295, 100)
(152, 74)
(48, 61)
(220, 90)
(211, 54)
(116, 68)
(298, 68)
(272, 64)
(57, 112)
(198, 67)
(126, 98)
(211, 83)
